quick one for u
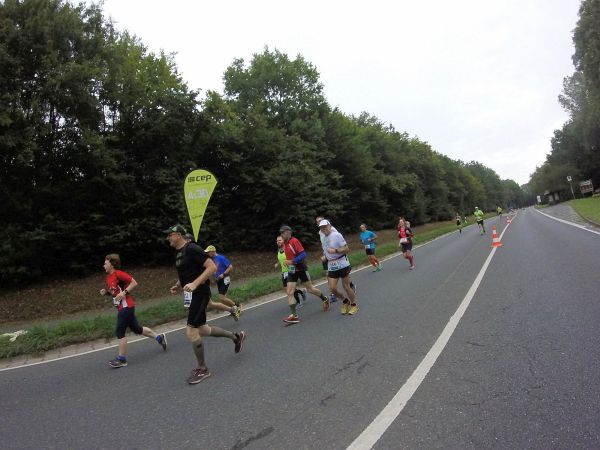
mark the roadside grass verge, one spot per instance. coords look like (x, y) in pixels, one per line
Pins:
(588, 208)
(40, 338)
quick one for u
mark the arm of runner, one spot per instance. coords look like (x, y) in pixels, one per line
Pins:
(174, 288)
(121, 295)
(341, 250)
(228, 270)
(299, 257)
(209, 270)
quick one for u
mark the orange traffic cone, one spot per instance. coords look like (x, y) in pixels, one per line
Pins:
(495, 239)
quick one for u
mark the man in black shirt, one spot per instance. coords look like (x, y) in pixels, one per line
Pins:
(194, 268)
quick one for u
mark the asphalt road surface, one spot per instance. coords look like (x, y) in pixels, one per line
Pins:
(521, 369)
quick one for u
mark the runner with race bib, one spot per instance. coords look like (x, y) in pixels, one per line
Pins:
(336, 251)
(297, 271)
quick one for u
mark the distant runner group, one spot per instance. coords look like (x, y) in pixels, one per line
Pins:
(195, 266)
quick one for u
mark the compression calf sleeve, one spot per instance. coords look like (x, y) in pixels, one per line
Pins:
(198, 347)
(220, 332)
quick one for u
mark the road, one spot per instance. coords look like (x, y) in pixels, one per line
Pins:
(521, 369)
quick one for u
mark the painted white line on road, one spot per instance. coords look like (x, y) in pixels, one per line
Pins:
(370, 435)
(567, 222)
(134, 340)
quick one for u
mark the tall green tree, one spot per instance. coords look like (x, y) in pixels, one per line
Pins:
(576, 147)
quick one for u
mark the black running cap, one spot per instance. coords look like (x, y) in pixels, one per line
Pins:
(176, 229)
(285, 228)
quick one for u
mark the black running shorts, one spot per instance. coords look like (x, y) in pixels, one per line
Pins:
(301, 275)
(197, 311)
(126, 318)
(370, 251)
(340, 273)
(406, 247)
(222, 287)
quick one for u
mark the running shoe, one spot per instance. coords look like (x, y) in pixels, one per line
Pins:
(198, 375)
(353, 287)
(332, 298)
(163, 341)
(241, 337)
(291, 319)
(237, 312)
(378, 268)
(412, 267)
(353, 309)
(116, 363)
(345, 307)
(326, 305)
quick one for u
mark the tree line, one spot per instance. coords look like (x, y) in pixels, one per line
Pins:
(97, 135)
(575, 148)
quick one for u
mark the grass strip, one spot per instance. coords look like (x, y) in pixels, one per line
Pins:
(40, 339)
(588, 208)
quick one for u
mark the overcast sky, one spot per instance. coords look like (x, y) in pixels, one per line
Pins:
(477, 79)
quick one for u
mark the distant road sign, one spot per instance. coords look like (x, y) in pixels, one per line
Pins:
(586, 186)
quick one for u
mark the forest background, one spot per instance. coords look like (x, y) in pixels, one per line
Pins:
(97, 135)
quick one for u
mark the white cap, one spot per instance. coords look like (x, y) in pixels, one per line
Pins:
(324, 222)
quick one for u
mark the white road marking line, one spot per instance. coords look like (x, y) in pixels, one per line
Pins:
(370, 435)
(567, 222)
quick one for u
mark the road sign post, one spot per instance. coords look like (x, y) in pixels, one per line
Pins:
(569, 179)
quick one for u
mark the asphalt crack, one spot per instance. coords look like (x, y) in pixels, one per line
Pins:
(262, 434)
(349, 365)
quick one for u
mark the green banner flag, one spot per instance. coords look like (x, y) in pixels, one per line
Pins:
(198, 187)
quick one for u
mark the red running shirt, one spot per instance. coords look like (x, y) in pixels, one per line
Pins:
(404, 232)
(293, 248)
(117, 282)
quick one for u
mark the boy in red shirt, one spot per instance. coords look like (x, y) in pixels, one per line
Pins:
(119, 285)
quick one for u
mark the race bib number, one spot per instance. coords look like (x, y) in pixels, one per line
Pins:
(334, 265)
(291, 269)
(404, 240)
(115, 301)
(187, 299)
(367, 246)
(226, 280)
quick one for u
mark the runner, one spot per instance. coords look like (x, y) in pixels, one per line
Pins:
(216, 306)
(368, 239)
(299, 294)
(479, 218)
(332, 297)
(405, 234)
(297, 270)
(194, 268)
(224, 268)
(336, 250)
(119, 285)
(458, 222)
